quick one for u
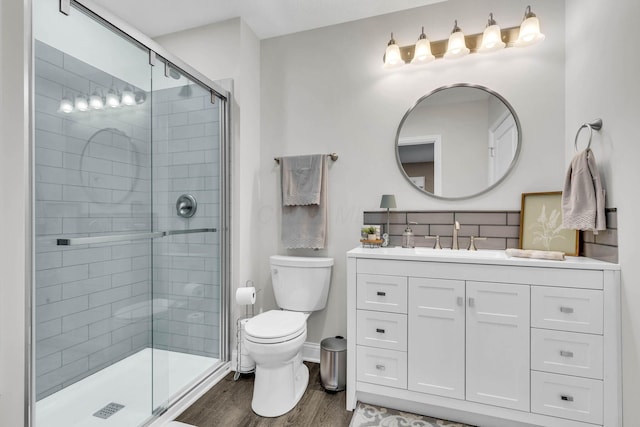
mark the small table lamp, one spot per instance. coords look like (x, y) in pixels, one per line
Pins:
(388, 201)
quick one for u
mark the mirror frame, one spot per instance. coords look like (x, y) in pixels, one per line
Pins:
(456, 85)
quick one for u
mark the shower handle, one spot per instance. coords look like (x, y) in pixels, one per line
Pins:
(186, 206)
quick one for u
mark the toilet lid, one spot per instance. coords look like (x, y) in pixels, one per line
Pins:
(276, 324)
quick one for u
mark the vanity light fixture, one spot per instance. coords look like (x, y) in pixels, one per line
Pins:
(112, 99)
(491, 37)
(128, 98)
(392, 58)
(81, 103)
(423, 53)
(95, 101)
(457, 46)
(529, 30)
(66, 106)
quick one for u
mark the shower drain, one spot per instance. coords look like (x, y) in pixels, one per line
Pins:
(108, 410)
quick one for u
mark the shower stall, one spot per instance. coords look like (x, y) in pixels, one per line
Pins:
(130, 217)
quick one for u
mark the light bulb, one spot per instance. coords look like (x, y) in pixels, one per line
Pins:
(66, 106)
(95, 101)
(81, 103)
(112, 99)
(492, 37)
(457, 47)
(392, 56)
(529, 30)
(128, 98)
(422, 53)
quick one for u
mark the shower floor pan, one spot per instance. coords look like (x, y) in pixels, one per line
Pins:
(127, 383)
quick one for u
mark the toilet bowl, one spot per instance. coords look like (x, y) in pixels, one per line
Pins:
(274, 339)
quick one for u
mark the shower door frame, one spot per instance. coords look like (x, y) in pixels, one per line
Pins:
(218, 94)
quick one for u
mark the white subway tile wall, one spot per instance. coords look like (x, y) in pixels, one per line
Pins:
(93, 176)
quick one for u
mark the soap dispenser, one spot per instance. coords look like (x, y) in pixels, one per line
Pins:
(408, 240)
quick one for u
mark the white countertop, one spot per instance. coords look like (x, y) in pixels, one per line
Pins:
(488, 257)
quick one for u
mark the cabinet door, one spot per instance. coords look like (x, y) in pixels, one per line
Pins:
(498, 344)
(436, 337)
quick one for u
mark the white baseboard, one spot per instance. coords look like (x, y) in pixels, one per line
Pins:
(311, 352)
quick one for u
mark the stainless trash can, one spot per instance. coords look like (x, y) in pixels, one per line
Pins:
(333, 363)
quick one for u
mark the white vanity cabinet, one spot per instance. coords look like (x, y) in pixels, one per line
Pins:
(485, 340)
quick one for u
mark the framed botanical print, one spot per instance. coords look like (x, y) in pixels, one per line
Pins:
(541, 224)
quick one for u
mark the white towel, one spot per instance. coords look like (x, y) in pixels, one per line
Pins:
(530, 253)
(305, 226)
(583, 196)
(301, 179)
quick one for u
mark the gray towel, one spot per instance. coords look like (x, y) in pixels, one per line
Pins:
(583, 196)
(305, 226)
(301, 179)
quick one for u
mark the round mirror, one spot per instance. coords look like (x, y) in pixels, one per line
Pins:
(458, 141)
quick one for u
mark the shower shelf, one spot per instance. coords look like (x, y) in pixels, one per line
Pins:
(133, 236)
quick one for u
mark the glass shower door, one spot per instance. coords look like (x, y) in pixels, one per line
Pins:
(186, 264)
(93, 223)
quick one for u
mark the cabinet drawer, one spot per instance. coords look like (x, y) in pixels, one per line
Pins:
(579, 399)
(567, 353)
(382, 293)
(382, 330)
(577, 310)
(380, 366)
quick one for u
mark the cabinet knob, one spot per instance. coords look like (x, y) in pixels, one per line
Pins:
(566, 398)
(566, 353)
(380, 367)
(472, 302)
(567, 310)
(460, 301)
(380, 330)
(381, 294)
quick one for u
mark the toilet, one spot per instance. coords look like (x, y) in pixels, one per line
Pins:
(274, 339)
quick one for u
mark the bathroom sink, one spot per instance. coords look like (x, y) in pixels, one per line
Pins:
(463, 253)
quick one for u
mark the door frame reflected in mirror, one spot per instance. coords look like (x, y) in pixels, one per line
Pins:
(513, 141)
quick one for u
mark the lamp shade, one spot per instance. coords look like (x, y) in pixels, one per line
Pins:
(529, 30)
(388, 201)
(457, 47)
(491, 37)
(422, 52)
(392, 55)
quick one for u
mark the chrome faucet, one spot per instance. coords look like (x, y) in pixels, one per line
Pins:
(456, 228)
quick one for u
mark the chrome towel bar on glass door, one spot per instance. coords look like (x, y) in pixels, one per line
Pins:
(333, 157)
(134, 236)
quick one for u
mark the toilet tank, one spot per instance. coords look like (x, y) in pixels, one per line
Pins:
(301, 283)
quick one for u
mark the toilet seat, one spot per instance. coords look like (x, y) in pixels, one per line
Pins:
(275, 326)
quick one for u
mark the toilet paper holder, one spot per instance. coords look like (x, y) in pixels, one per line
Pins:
(239, 337)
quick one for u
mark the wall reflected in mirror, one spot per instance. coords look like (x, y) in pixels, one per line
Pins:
(458, 141)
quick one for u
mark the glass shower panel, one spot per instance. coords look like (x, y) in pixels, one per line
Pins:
(92, 177)
(186, 199)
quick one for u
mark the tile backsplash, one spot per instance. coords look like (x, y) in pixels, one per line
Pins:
(501, 228)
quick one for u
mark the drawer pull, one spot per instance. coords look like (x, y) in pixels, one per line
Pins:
(567, 310)
(380, 330)
(381, 294)
(382, 368)
(566, 353)
(460, 301)
(566, 398)
(472, 302)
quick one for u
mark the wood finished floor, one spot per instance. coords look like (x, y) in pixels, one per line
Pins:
(228, 404)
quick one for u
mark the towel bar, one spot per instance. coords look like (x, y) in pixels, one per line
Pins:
(596, 124)
(333, 157)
